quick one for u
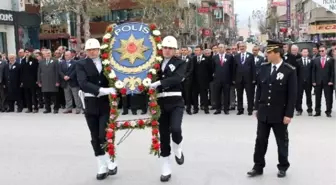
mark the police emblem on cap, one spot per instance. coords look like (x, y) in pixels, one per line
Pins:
(272, 45)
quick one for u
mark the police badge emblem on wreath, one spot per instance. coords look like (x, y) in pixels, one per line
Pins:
(132, 55)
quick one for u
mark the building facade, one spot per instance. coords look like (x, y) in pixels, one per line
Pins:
(7, 31)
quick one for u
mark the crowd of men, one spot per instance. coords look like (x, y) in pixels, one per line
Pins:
(218, 77)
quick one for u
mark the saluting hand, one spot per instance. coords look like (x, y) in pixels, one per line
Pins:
(287, 120)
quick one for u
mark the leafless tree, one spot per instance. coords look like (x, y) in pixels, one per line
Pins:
(260, 17)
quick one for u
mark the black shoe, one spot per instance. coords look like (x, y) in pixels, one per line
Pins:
(124, 113)
(226, 112)
(217, 112)
(310, 114)
(254, 173)
(102, 176)
(134, 113)
(240, 113)
(213, 108)
(165, 178)
(189, 112)
(250, 113)
(206, 112)
(19, 110)
(281, 174)
(232, 108)
(55, 111)
(317, 114)
(143, 112)
(114, 171)
(10, 110)
(179, 161)
(195, 111)
(299, 113)
(35, 111)
(46, 111)
(328, 115)
(28, 111)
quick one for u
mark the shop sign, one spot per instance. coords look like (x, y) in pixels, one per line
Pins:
(6, 17)
(50, 29)
(323, 28)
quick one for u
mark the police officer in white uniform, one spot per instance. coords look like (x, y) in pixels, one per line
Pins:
(172, 105)
(94, 95)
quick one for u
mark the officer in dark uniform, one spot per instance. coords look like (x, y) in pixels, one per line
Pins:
(275, 102)
(94, 95)
(171, 103)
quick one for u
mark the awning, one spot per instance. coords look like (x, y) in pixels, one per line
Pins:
(53, 36)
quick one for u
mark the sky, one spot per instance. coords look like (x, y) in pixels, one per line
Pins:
(244, 9)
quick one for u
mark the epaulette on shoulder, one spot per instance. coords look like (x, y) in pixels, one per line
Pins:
(290, 66)
(265, 63)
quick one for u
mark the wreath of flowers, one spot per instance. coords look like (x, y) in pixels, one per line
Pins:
(154, 109)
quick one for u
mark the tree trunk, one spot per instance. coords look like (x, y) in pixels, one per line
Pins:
(78, 28)
(86, 26)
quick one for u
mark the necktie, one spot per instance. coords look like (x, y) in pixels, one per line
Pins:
(221, 60)
(322, 62)
(242, 58)
(47, 61)
(199, 59)
(183, 58)
(274, 70)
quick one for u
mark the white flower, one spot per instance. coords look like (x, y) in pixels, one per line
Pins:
(106, 62)
(133, 123)
(146, 82)
(107, 36)
(159, 59)
(156, 32)
(104, 46)
(280, 76)
(119, 84)
(153, 71)
(114, 103)
(159, 46)
(112, 75)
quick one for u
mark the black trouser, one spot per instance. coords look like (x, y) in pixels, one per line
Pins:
(48, 97)
(31, 98)
(307, 88)
(328, 91)
(97, 125)
(170, 122)
(249, 88)
(281, 135)
(203, 92)
(187, 94)
(22, 99)
(61, 97)
(39, 97)
(2, 97)
(221, 89)
(125, 102)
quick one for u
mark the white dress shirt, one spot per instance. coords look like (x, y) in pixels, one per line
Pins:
(98, 64)
(276, 65)
(164, 63)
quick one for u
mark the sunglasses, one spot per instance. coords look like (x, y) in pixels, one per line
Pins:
(168, 48)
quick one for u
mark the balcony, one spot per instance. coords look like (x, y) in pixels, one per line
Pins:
(320, 14)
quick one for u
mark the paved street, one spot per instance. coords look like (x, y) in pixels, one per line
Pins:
(39, 149)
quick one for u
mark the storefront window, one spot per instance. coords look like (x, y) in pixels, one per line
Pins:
(29, 37)
(3, 43)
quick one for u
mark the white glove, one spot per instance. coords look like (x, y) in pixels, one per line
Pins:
(155, 84)
(112, 90)
(105, 91)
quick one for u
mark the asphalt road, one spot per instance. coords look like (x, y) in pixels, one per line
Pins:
(39, 149)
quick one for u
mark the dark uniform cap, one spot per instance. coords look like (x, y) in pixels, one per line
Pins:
(272, 45)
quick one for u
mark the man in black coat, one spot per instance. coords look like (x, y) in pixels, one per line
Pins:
(222, 67)
(304, 82)
(188, 79)
(323, 78)
(29, 69)
(275, 101)
(13, 83)
(244, 74)
(202, 76)
(3, 93)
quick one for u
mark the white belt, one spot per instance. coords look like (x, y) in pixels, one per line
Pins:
(82, 95)
(168, 94)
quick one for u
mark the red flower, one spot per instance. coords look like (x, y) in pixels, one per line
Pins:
(141, 122)
(108, 68)
(155, 123)
(110, 146)
(104, 56)
(155, 131)
(151, 91)
(150, 76)
(113, 111)
(106, 40)
(109, 135)
(152, 27)
(141, 88)
(123, 91)
(159, 52)
(111, 152)
(153, 104)
(109, 28)
(126, 124)
(155, 140)
(158, 39)
(112, 126)
(156, 146)
(157, 66)
(113, 96)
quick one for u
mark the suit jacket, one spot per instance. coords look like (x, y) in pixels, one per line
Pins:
(13, 81)
(276, 95)
(2, 71)
(258, 61)
(90, 80)
(68, 69)
(246, 71)
(48, 76)
(322, 76)
(223, 73)
(189, 69)
(291, 59)
(20, 60)
(29, 69)
(305, 71)
(202, 75)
